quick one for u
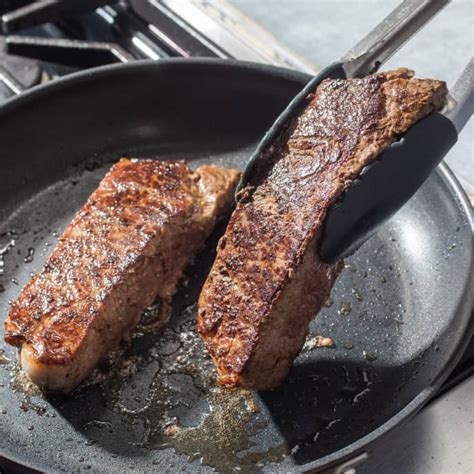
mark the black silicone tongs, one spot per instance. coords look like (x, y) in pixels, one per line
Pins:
(387, 183)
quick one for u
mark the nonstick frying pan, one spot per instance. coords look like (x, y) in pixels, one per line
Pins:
(400, 316)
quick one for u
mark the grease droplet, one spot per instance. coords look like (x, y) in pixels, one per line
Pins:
(370, 356)
(356, 294)
(344, 309)
(30, 255)
(318, 341)
(350, 266)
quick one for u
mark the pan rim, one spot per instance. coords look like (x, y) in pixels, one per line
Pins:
(456, 191)
(112, 69)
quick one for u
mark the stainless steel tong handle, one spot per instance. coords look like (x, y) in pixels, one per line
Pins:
(460, 105)
(389, 36)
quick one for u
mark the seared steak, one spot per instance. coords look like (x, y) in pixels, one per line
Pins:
(128, 245)
(267, 281)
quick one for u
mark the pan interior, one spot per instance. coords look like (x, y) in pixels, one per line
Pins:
(392, 314)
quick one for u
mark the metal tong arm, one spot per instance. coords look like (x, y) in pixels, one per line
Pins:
(460, 105)
(386, 184)
(389, 36)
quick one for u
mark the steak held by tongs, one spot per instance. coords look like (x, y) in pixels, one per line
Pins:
(268, 279)
(128, 245)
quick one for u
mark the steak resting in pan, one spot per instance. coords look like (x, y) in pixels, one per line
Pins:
(128, 245)
(267, 281)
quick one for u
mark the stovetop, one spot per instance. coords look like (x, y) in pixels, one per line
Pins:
(45, 40)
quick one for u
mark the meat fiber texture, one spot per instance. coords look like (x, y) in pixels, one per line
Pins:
(128, 245)
(267, 281)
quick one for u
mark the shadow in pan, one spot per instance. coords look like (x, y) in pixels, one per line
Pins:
(328, 404)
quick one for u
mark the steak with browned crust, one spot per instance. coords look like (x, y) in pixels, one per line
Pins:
(128, 245)
(267, 281)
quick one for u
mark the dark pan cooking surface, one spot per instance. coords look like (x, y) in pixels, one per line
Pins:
(398, 315)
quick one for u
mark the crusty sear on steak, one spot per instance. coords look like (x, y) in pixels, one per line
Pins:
(267, 281)
(128, 245)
